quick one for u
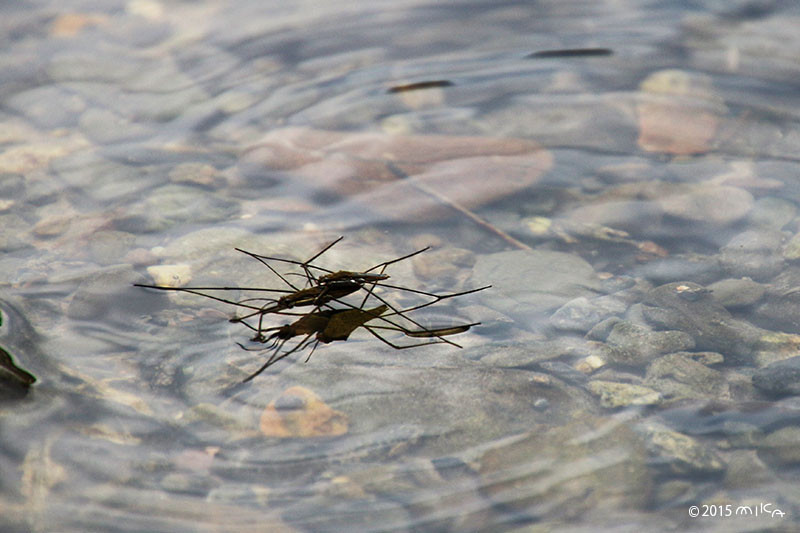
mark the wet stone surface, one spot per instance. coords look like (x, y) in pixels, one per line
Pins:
(688, 307)
(531, 283)
(780, 378)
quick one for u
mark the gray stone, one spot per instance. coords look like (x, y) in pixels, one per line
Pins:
(772, 212)
(780, 378)
(781, 447)
(595, 464)
(641, 344)
(50, 106)
(14, 233)
(678, 376)
(106, 127)
(109, 247)
(169, 205)
(613, 394)
(735, 293)
(755, 254)
(526, 283)
(701, 268)
(101, 294)
(582, 314)
(714, 206)
(574, 123)
(679, 454)
(100, 178)
(689, 307)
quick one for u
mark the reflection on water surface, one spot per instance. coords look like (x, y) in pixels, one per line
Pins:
(623, 174)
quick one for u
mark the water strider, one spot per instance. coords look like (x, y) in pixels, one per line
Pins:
(331, 318)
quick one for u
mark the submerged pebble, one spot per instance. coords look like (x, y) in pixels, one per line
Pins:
(756, 254)
(678, 376)
(526, 283)
(715, 206)
(737, 293)
(679, 454)
(580, 466)
(637, 345)
(688, 307)
(582, 314)
(780, 378)
(299, 412)
(678, 112)
(613, 394)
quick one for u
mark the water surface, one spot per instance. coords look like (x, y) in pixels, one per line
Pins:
(622, 173)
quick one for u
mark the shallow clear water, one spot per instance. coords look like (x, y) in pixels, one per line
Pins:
(598, 191)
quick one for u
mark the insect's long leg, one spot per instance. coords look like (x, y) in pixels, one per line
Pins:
(438, 298)
(187, 289)
(306, 263)
(197, 292)
(435, 332)
(401, 312)
(311, 352)
(262, 259)
(273, 359)
(387, 263)
(397, 346)
(258, 311)
(305, 266)
(383, 269)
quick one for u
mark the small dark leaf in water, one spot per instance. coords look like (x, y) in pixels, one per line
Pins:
(7, 367)
(420, 85)
(571, 52)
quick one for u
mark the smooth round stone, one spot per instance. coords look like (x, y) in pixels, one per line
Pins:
(679, 453)
(642, 345)
(779, 379)
(688, 307)
(100, 295)
(676, 375)
(533, 282)
(732, 293)
(755, 254)
(167, 206)
(714, 205)
(109, 247)
(614, 394)
(771, 212)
